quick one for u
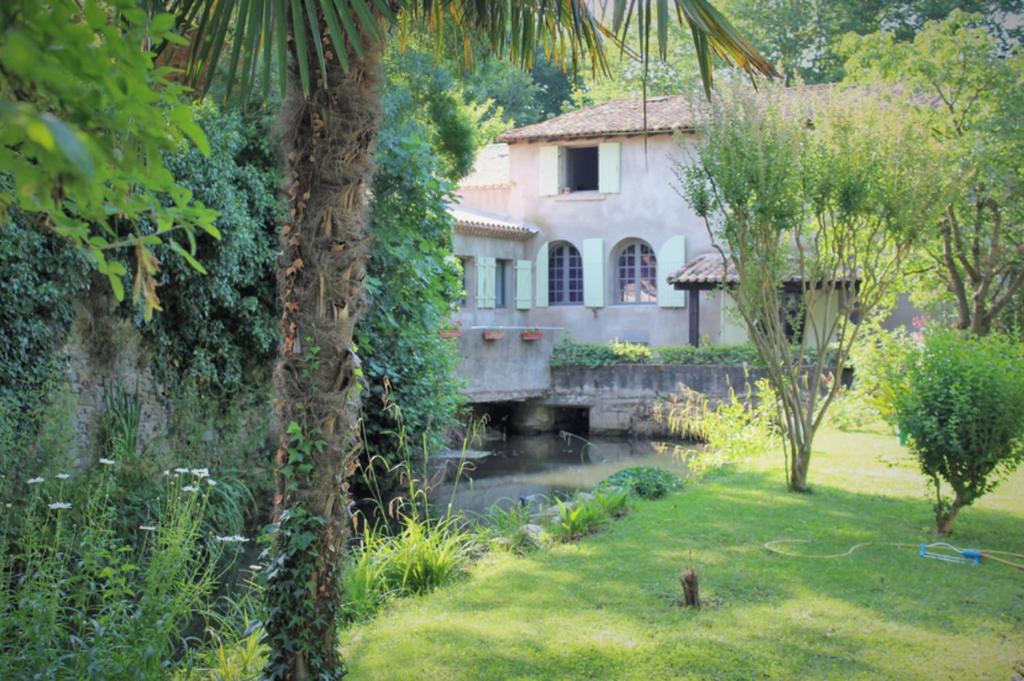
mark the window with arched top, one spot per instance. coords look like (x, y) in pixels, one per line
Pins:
(636, 274)
(565, 275)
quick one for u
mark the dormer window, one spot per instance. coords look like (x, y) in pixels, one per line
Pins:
(581, 169)
(593, 169)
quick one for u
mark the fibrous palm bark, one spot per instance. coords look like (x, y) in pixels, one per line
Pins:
(328, 144)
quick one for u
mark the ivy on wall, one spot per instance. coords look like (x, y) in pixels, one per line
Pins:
(219, 329)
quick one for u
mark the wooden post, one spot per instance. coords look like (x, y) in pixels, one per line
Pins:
(694, 304)
(691, 588)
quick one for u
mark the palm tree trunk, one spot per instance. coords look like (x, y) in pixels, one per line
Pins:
(328, 141)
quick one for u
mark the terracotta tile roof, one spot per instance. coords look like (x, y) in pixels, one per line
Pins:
(665, 114)
(710, 269)
(618, 117)
(471, 222)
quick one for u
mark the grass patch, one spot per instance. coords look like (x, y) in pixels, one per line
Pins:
(605, 607)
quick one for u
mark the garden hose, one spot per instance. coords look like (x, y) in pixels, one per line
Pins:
(965, 555)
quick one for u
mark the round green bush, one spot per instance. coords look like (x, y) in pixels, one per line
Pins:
(645, 481)
(960, 402)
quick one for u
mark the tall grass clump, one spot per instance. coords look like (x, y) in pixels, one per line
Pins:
(408, 550)
(81, 600)
(733, 430)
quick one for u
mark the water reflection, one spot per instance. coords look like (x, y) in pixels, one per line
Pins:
(552, 465)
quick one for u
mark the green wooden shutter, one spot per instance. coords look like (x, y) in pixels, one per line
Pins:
(524, 279)
(671, 258)
(485, 282)
(609, 162)
(593, 272)
(540, 298)
(548, 170)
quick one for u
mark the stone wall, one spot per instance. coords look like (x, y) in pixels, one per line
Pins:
(104, 352)
(633, 398)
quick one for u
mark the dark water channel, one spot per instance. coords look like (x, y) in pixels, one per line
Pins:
(552, 465)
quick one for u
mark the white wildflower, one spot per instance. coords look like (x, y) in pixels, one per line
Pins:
(106, 462)
(63, 476)
(167, 472)
(147, 528)
(201, 472)
(233, 539)
(59, 506)
(211, 482)
(255, 568)
(36, 481)
(181, 470)
(190, 488)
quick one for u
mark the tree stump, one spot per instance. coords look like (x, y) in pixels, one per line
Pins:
(691, 588)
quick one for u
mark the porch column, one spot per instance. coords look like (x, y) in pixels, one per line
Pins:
(694, 305)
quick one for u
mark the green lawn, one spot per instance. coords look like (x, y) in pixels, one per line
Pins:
(605, 607)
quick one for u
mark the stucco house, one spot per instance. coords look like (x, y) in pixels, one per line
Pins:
(574, 225)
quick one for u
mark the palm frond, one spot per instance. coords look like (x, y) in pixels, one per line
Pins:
(323, 34)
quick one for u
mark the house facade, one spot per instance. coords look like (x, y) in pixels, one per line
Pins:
(574, 225)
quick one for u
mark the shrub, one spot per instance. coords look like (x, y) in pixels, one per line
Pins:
(708, 354)
(961, 402)
(568, 352)
(644, 481)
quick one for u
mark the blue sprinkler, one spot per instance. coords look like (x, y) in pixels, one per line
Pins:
(949, 553)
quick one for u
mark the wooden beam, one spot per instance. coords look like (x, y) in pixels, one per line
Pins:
(694, 305)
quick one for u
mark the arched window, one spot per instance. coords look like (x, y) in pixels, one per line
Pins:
(637, 272)
(565, 275)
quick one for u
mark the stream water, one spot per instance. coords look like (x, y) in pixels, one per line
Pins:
(551, 465)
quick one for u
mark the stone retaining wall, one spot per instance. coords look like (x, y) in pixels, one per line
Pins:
(632, 398)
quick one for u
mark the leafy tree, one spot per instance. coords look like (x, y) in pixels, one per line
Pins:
(523, 96)
(413, 280)
(969, 95)
(329, 55)
(84, 121)
(814, 222)
(961, 402)
(804, 37)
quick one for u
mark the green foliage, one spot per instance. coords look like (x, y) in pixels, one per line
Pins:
(734, 429)
(961, 402)
(708, 354)
(413, 283)
(506, 525)
(85, 120)
(81, 600)
(525, 97)
(874, 357)
(970, 258)
(614, 502)
(645, 481)
(578, 518)
(568, 352)
(424, 555)
(780, 197)
(42, 277)
(219, 329)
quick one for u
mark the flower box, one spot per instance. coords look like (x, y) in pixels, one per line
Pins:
(450, 333)
(530, 336)
(493, 335)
